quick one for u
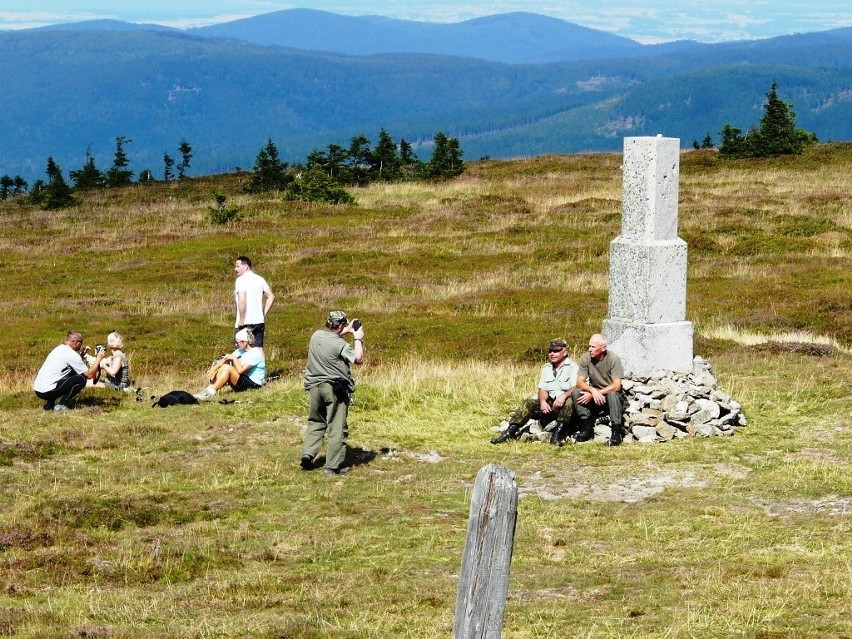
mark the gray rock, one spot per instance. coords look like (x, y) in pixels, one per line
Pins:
(645, 434)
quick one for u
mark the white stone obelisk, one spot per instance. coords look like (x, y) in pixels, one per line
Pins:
(647, 325)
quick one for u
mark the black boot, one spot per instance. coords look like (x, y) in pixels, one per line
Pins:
(586, 432)
(560, 434)
(617, 436)
(510, 433)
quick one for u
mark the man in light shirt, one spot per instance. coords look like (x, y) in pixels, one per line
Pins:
(254, 298)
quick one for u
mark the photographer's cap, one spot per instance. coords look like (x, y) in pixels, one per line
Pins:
(336, 318)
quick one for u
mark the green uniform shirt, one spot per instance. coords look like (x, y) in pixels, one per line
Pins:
(601, 374)
(329, 359)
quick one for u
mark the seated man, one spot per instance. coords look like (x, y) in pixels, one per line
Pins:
(598, 390)
(244, 369)
(553, 401)
(64, 373)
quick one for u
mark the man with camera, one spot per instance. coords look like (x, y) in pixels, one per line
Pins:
(553, 400)
(330, 385)
(64, 373)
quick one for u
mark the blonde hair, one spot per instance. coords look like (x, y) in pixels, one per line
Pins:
(115, 340)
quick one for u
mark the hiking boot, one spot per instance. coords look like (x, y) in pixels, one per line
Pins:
(616, 438)
(306, 462)
(337, 471)
(560, 434)
(510, 433)
(585, 433)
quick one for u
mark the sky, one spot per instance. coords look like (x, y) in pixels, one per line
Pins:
(646, 21)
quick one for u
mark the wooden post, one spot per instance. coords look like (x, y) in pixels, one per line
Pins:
(484, 577)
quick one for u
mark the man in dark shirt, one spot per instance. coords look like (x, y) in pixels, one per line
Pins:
(599, 389)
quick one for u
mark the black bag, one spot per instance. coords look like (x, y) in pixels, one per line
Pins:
(172, 398)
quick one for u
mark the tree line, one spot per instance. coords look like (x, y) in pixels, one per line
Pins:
(323, 176)
(326, 173)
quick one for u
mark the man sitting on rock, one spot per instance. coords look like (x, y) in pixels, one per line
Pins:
(598, 390)
(553, 401)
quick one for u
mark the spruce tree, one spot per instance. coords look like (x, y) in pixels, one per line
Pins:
(385, 164)
(168, 162)
(88, 176)
(186, 156)
(269, 172)
(57, 193)
(119, 175)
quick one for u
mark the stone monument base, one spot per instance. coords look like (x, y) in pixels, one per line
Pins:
(649, 348)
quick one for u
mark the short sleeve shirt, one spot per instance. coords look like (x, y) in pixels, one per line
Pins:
(61, 362)
(558, 380)
(254, 358)
(253, 285)
(602, 373)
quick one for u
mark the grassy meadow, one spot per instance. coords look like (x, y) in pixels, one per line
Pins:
(122, 521)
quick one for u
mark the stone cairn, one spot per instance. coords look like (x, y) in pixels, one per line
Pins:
(670, 394)
(664, 406)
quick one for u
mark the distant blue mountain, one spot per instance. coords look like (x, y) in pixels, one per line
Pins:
(521, 38)
(104, 25)
(76, 88)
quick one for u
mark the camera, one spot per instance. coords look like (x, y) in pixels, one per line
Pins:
(99, 349)
(356, 324)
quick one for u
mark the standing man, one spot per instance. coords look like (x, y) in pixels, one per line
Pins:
(249, 292)
(553, 401)
(598, 390)
(329, 383)
(64, 373)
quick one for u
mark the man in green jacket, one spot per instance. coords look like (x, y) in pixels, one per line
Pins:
(329, 383)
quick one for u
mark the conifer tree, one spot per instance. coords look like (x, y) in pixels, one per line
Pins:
(776, 135)
(269, 172)
(119, 175)
(384, 161)
(88, 176)
(446, 158)
(168, 174)
(57, 193)
(186, 156)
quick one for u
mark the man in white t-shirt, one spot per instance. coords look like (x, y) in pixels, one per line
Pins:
(64, 373)
(250, 289)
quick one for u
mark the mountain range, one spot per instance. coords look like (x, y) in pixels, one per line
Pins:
(508, 85)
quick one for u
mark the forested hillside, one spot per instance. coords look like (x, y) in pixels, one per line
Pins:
(75, 90)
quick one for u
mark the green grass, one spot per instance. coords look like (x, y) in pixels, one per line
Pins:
(120, 520)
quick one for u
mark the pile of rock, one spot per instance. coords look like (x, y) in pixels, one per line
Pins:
(664, 406)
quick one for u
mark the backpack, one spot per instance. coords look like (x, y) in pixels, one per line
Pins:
(172, 398)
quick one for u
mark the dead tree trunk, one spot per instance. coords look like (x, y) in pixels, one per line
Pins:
(484, 578)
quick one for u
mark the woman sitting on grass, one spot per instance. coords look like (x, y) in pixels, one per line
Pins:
(115, 368)
(244, 369)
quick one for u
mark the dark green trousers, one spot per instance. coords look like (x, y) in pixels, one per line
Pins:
(327, 417)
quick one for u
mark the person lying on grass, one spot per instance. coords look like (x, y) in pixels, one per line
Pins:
(244, 369)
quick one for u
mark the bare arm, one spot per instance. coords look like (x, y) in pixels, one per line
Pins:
(93, 369)
(241, 308)
(270, 298)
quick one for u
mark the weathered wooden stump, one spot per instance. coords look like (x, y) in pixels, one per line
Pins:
(484, 577)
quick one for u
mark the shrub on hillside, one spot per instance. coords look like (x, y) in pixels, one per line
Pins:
(776, 135)
(315, 186)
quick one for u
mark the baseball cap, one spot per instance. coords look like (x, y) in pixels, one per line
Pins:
(336, 318)
(557, 345)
